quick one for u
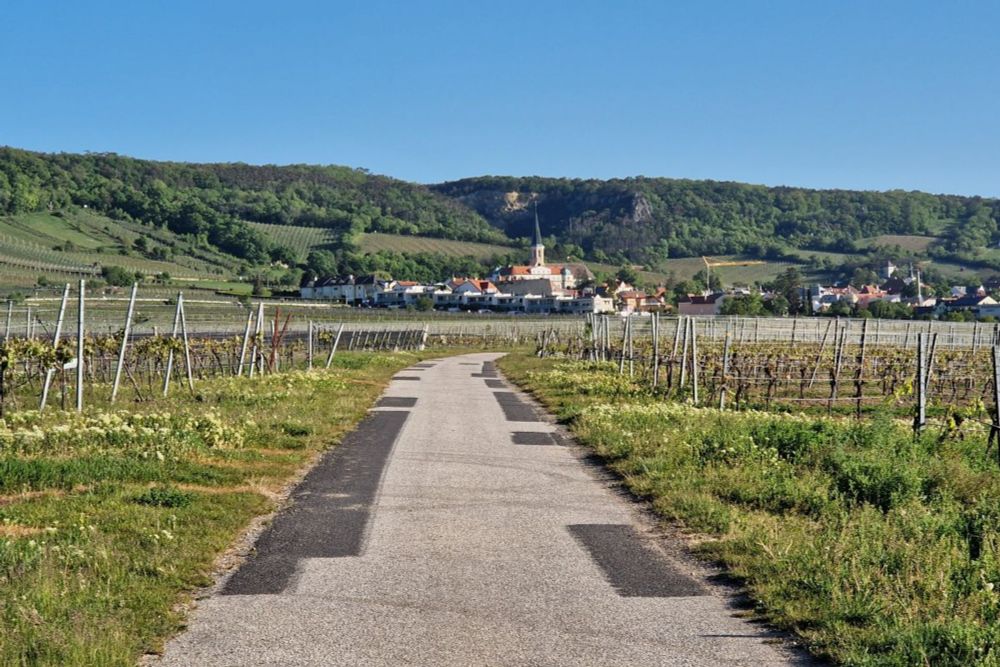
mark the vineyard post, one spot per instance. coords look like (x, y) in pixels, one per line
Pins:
(684, 354)
(10, 312)
(995, 429)
(187, 348)
(656, 349)
(333, 348)
(602, 327)
(621, 358)
(50, 373)
(631, 350)
(27, 323)
(606, 339)
(81, 307)
(121, 351)
(258, 333)
(920, 419)
(309, 361)
(930, 358)
(246, 342)
(819, 355)
(906, 338)
(838, 360)
(858, 378)
(694, 359)
(423, 339)
(170, 354)
(756, 330)
(975, 337)
(592, 319)
(795, 322)
(677, 334)
(725, 370)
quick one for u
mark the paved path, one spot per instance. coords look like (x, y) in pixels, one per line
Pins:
(454, 528)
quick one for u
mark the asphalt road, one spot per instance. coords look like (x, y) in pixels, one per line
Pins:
(454, 527)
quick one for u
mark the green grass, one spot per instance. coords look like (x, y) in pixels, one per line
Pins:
(109, 520)
(904, 241)
(874, 547)
(685, 268)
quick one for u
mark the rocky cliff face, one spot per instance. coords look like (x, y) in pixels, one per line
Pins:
(613, 219)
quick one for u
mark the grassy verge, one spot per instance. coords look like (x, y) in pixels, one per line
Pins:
(875, 547)
(108, 519)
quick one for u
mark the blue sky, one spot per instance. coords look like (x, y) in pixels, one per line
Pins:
(869, 95)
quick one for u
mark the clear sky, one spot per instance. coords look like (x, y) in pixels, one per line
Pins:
(872, 94)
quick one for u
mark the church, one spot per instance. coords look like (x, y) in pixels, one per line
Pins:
(562, 279)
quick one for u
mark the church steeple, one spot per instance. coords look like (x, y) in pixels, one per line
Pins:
(537, 250)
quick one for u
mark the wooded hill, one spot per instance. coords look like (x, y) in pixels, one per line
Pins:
(235, 208)
(646, 220)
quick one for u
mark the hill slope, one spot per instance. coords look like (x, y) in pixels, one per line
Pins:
(216, 200)
(647, 220)
(66, 212)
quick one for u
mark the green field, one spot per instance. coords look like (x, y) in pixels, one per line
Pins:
(906, 242)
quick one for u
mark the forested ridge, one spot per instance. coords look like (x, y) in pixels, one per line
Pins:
(646, 220)
(632, 220)
(216, 200)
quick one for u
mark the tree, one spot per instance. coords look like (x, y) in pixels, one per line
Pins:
(322, 263)
(117, 276)
(863, 276)
(424, 303)
(627, 274)
(778, 305)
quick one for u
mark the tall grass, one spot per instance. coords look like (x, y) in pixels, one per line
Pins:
(107, 520)
(875, 547)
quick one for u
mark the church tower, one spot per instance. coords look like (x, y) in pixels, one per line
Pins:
(537, 250)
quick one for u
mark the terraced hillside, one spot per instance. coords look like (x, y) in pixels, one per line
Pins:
(79, 242)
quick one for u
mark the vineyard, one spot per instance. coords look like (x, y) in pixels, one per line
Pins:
(299, 239)
(834, 366)
(77, 243)
(304, 239)
(135, 349)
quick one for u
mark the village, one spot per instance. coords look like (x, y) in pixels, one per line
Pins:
(570, 289)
